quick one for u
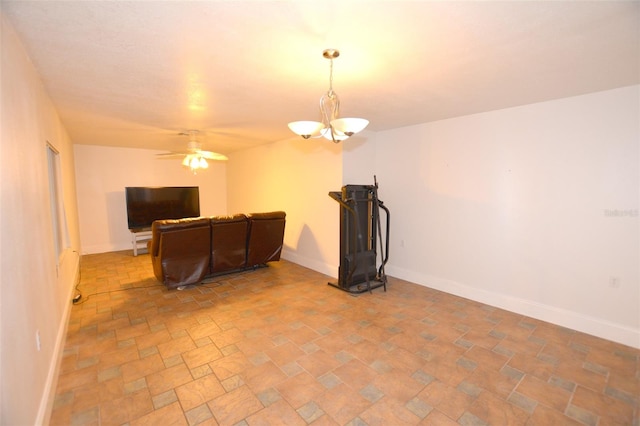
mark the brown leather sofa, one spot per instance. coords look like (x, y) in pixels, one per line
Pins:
(186, 251)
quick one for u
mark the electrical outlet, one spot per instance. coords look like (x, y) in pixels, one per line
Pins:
(614, 282)
(38, 346)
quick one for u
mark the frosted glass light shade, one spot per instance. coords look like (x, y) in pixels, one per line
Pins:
(334, 136)
(349, 126)
(306, 129)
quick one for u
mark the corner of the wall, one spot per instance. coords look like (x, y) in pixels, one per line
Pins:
(323, 268)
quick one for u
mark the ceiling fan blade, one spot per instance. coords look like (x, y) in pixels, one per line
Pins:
(172, 154)
(209, 155)
(193, 149)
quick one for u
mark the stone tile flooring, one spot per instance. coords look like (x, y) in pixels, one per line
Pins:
(278, 346)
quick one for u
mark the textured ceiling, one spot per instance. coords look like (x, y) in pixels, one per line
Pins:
(136, 73)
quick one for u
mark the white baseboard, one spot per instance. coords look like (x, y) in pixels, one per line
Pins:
(48, 396)
(576, 321)
(106, 248)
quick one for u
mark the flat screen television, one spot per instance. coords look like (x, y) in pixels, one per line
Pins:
(146, 204)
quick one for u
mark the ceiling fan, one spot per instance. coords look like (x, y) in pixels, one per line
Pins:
(194, 157)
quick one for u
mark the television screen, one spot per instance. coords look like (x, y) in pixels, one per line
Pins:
(146, 204)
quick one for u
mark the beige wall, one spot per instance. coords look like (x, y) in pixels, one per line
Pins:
(35, 287)
(296, 176)
(516, 208)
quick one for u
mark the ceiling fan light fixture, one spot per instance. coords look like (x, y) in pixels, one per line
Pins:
(331, 127)
(195, 162)
(194, 158)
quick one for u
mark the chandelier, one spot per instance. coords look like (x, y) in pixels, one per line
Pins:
(331, 127)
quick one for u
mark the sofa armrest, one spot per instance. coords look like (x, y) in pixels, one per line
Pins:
(180, 250)
(266, 236)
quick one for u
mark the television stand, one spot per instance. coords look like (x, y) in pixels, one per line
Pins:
(139, 238)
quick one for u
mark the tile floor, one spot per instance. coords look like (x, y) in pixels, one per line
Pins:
(278, 346)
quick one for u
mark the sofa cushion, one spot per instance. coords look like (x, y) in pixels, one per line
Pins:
(228, 242)
(159, 226)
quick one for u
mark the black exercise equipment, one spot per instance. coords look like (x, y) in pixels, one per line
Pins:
(360, 231)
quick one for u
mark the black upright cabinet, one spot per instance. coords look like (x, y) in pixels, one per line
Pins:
(360, 239)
